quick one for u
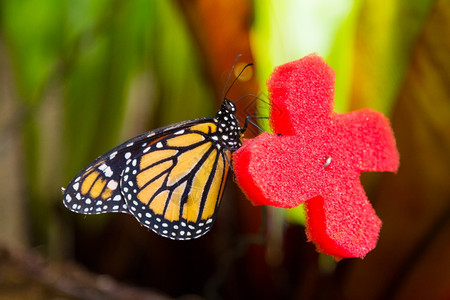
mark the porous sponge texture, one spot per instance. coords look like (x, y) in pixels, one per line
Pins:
(316, 156)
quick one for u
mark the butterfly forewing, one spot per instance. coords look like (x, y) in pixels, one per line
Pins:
(174, 186)
(96, 189)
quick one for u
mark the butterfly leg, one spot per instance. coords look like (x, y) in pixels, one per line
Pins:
(248, 120)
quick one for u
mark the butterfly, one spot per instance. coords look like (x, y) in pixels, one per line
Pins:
(170, 179)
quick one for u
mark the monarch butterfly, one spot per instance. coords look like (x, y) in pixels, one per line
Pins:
(170, 179)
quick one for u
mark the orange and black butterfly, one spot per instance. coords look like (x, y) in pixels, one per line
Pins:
(170, 179)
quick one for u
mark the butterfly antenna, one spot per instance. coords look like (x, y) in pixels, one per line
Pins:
(225, 93)
(229, 76)
(237, 77)
(255, 97)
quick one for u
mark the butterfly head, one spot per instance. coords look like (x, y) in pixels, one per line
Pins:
(228, 106)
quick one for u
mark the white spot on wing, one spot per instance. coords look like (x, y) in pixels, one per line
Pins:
(113, 155)
(108, 172)
(112, 185)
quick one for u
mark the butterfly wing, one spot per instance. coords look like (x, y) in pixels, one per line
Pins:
(170, 179)
(96, 189)
(174, 186)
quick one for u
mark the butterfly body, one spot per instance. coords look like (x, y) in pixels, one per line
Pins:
(170, 179)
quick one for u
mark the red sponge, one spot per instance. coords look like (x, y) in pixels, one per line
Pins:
(316, 156)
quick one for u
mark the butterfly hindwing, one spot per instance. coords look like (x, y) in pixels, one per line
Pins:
(174, 185)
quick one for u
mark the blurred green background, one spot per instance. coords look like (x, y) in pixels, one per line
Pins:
(79, 77)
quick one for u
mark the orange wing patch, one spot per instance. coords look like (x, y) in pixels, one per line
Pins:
(174, 202)
(150, 190)
(186, 162)
(156, 157)
(159, 202)
(148, 175)
(97, 188)
(216, 189)
(185, 140)
(88, 182)
(206, 128)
